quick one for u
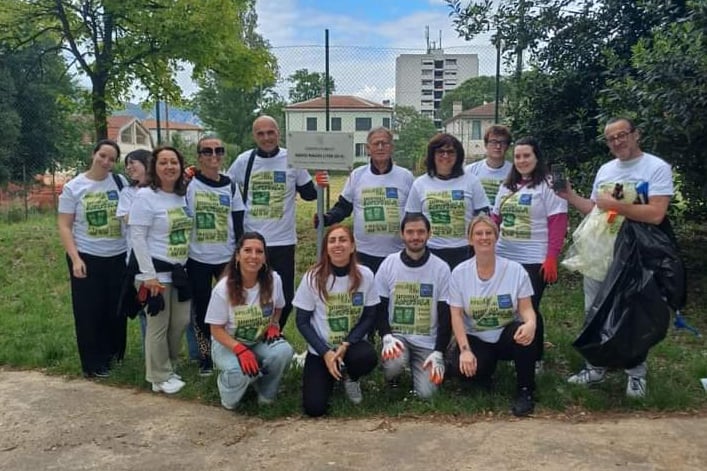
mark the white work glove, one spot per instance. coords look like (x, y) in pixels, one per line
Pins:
(392, 347)
(435, 363)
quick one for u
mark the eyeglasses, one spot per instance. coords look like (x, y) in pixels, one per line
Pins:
(619, 137)
(449, 152)
(377, 144)
(496, 142)
(211, 151)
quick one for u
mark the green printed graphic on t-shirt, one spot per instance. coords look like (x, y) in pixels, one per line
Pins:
(99, 208)
(488, 315)
(250, 323)
(211, 217)
(341, 315)
(180, 225)
(447, 213)
(412, 308)
(381, 213)
(515, 213)
(491, 189)
(267, 198)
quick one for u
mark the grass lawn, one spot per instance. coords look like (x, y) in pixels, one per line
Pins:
(36, 332)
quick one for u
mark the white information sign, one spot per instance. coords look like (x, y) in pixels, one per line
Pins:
(320, 150)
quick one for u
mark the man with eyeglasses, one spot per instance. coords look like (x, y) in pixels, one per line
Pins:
(218, 216)
(376, 194)
(269, 186)
(630, 168)
(494, 168)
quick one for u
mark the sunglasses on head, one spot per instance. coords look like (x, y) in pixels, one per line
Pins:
(209, 151)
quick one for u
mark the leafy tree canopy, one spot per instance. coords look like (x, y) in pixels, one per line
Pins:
(308, 85)
(413, 133)
(471, 93)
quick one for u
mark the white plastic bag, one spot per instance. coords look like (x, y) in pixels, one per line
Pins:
(592, 249)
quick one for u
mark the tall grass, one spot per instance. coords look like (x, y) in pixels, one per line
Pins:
(37, 332)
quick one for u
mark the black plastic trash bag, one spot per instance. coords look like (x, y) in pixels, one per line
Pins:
(631, 312)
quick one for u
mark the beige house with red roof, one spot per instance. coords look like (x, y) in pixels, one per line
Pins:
(346, 113)
(129, 133)
(189, 133)
(469, 127)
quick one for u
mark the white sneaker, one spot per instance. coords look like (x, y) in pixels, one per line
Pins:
(171, 386)
(264, 401)
(587, 376)
(353, 391)
(636, 387)
(175, 376)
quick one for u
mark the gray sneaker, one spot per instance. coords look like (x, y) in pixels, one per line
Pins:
(587, 376)
(353, 391)
(636, 387)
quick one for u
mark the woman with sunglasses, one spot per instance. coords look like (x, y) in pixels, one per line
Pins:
(218, 220)
(244, 315)
(336, 305)
(449, 197)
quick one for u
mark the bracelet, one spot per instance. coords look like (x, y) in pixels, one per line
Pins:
(465, 348)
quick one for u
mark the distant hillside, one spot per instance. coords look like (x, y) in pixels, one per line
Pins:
(176, 115)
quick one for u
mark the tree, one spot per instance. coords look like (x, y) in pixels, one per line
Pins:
(229, 109)
(120, 43)
(39, 102)
(414, 132)
(574, 48)
(472, 93)
(308, 85)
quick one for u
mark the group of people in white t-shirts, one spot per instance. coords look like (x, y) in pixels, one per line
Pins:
(449, 268)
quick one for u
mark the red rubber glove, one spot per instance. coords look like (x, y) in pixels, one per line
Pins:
(272, 333)
(321, 177)
(189, 173)
(549, 270)
(247, 360)
(142, 294)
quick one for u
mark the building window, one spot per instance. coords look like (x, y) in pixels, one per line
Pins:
(360, 149)
(127, 136)
(386, 123)
(427, 62)
(427, 83)
(426, 72)
(439, 64)
(476, 129)
(311, 124)
(363, 124)
(451, 62)
(140, 138)
(336, 124)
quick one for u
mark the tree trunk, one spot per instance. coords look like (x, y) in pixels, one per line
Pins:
(98, 105)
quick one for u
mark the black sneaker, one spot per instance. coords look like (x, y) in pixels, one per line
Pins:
(524, 404)
(206, 367)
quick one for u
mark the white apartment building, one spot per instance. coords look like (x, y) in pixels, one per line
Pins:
(346, 114)
(421, 80)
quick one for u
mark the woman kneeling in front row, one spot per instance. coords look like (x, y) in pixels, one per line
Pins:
(244, 314)
(336, 305)
(492, 315)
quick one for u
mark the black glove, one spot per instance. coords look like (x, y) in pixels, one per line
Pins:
(155, 304)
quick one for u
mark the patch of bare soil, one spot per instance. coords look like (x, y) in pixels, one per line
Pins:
(49, 423)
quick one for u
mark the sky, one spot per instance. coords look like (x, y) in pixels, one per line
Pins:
(365, 37)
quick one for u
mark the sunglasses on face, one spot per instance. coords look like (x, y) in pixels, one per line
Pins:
(211, 151)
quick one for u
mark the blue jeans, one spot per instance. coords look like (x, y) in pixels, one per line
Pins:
(273, 358)
(414, 357)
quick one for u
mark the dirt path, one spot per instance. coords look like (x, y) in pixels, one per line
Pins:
(48, 423)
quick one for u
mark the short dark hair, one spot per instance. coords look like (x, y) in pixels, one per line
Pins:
(414, 217)
(180, 188)
(499, 130)
(143, 156)
(437, 142)
(616, 119)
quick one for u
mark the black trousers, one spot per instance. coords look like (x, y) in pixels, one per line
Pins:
(100, 332)
(539, 284)
(454, 256)
(317, 383)
(201, 278)
(371, 261)
(282, 259)
(488, 354)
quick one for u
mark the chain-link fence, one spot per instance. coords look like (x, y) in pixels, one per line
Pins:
(398, 88)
